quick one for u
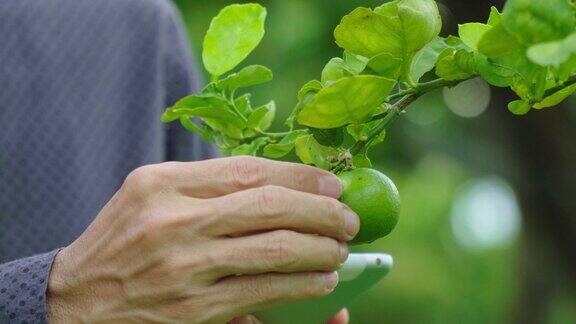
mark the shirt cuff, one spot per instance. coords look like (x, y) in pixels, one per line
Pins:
(23, 285)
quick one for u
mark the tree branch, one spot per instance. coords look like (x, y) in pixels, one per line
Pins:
(569, 82)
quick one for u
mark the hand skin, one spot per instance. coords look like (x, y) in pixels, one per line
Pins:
(343, 317)
(204, 242)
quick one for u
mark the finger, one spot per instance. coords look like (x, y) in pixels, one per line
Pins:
(272, 207)
(249, 294)
(279, 251)
(343, 317)
(247, 319)
(218, 177)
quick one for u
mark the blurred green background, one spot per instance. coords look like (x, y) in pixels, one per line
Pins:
(470, 246)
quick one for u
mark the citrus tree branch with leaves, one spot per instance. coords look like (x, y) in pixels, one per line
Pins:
(530, 47)
(392, 55)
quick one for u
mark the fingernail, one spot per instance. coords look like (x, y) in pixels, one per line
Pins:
(343, 252)
(331, 280)
(329, 185)
(352, 222)
(253, 320)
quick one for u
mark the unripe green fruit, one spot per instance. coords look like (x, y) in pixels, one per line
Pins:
(374, 197)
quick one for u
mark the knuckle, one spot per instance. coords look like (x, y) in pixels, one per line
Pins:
(303, 179)
(268, 200)
(145, 179)
(247, 172)
(264, 290)
(280, 251)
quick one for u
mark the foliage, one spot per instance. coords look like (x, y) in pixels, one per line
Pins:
(430, 155)
(387, 53)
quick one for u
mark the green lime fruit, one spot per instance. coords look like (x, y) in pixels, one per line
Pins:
(374, 197)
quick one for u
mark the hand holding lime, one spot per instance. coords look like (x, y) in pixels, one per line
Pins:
(374, 197)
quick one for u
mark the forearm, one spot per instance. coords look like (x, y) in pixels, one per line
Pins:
(23, 284)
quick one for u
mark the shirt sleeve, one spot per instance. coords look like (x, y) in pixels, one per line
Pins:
(181, 79)
(23, 284)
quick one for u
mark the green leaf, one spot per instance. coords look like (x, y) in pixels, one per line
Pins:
(367, 33)
(360, 133)
(425, 60)
(357, 132)
(261, 118)
(472, 33)
(394, 31)
(556, 98)
(565, 70)
(329, 137)
(311, 152)
(418, 21)
(519, 107)
(495, 17)
(533, 22)
(493, 73)
(233, 34)
(361, 161)
(377, 140)
(243, 105)
(356, 63)
(210, 89)
(498, 43)
(201, 100)
(312, 86)
(503, 50)
(251, 148)
(455, 65)
(283, 147)
(386, 65)
(553, 53)
(219, 119)
(348, 100)
(249, 76)
(305, 95)
(335, 69)
(194, 101)
(204, 132)
(226, 144)
(276, 151)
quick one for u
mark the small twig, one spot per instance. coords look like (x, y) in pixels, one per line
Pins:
(420, 89)
(567, 83)
(387, 119)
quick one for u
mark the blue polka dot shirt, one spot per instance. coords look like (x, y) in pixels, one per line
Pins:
(82, 86)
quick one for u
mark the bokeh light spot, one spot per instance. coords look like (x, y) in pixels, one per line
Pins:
(485, 215)
(468, 99)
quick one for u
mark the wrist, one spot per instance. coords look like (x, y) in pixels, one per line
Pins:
(60, 302)
(79, 294)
